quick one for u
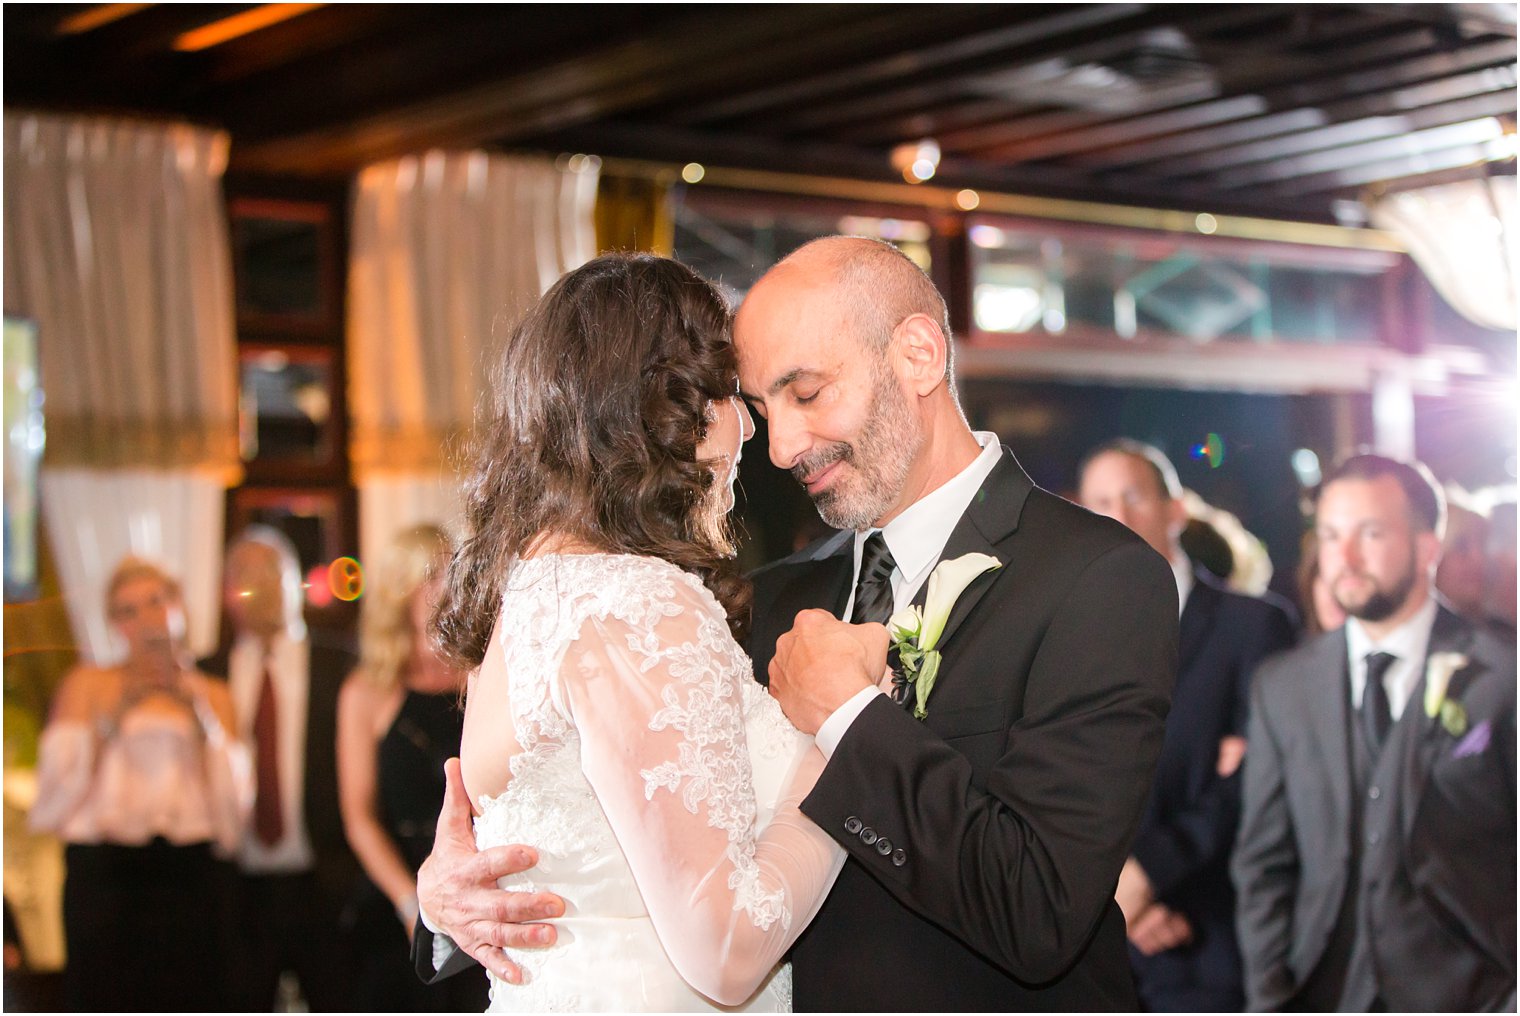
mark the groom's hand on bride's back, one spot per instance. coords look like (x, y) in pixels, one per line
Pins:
(457, 890)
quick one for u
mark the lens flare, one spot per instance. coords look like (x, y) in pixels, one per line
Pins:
(1210, 450)
(346, 579)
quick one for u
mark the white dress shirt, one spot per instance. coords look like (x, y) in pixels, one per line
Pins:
(1182, 571)
(1408, 642)
(290, 662)
(916, 539)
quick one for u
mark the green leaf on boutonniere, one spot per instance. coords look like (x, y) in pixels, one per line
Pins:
(916, 631)
(1453, 717)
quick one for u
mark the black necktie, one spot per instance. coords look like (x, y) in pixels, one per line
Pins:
(873, 590)
(1377, 718)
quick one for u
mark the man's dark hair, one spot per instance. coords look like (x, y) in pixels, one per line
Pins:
(1427, 502)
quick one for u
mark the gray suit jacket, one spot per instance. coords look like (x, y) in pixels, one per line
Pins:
(1442, 898)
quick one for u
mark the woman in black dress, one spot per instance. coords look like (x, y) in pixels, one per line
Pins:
(399, 718)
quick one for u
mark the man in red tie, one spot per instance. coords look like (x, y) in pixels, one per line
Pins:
(296, 868)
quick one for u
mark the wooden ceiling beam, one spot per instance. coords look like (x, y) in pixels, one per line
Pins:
(975, 78)
(1472, 157)
(1322, 144)
(1473, 18)
(686, 57)
(1239, 142)
(1273, 93)
(1338, 133)
(1275, 80)
(1050, 23)
(944, 120)
(1350, 158)
(428, 54)
(328, 34)
(130, 61)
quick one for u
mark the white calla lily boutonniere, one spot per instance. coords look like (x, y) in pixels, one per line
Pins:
(916, 631)
(1438, 671)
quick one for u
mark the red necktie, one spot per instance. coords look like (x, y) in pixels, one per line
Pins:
(268, 817)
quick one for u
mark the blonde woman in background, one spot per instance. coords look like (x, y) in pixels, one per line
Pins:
(143, 780)
(399, 720)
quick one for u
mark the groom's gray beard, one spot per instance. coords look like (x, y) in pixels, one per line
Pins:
(884, 451)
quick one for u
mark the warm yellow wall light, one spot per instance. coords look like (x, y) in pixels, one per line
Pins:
(94, 17)
(239, 25)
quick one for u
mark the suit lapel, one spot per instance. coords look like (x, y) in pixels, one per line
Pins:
(1197, 618)
(990, 518)
(992, 515)
(1329, 703)
(1423, 737)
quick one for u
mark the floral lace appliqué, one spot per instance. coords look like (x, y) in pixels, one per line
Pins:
(711, 769)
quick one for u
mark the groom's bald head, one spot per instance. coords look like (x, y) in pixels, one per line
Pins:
(875, 285)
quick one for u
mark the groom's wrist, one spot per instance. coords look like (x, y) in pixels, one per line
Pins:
(833, 729)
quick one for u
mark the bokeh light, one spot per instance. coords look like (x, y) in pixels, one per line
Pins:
(346, 579)
(1210, 450)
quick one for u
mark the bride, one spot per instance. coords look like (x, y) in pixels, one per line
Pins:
(612, 720)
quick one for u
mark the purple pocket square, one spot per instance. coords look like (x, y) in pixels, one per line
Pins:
(1475, 743)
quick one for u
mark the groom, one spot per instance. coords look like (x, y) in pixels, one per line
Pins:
(985, 840)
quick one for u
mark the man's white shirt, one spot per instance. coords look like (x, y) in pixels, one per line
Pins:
(916, 539)
(290, 661)
(1408, 642)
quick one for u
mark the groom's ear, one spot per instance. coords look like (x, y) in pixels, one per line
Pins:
(921, 350)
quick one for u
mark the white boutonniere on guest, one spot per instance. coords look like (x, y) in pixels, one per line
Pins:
(1438, 671)
(916, 631)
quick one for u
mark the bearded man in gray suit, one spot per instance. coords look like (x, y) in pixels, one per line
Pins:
(1376, 859)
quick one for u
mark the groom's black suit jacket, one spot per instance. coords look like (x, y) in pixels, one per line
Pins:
(1008, 812)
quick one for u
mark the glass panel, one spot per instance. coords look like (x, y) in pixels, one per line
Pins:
(1136, 286)
(734, 244)
(286, 407)
(279, 266)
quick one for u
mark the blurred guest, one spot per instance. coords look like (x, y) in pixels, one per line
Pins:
(1203, 545)
(1499, 581)
(1214, 537)
(1464, 560)
(399, 720)
(1175, 888)
(296, 867)
(142, 776)
(1322, 612)
(1376, 858)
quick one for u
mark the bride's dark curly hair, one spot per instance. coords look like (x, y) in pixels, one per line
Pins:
(597, 404)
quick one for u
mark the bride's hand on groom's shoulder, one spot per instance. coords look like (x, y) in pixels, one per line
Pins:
(458, 894)
(822, 663)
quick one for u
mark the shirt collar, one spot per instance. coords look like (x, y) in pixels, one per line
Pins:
(1408, 641)
(918, 535)
(1182, 571)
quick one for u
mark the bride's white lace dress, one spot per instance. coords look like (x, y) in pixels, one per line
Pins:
(660, 785)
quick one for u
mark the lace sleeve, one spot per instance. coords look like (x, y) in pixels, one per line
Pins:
(661, 719)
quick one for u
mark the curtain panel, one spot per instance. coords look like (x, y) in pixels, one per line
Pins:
(116, 245)
(447, 249)
(1465, 236)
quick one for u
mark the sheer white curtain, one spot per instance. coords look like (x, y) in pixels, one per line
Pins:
(116, 245)
(1463, 236)
(446, 248)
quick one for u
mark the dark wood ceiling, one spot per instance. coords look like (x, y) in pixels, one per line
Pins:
(1271, 109)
